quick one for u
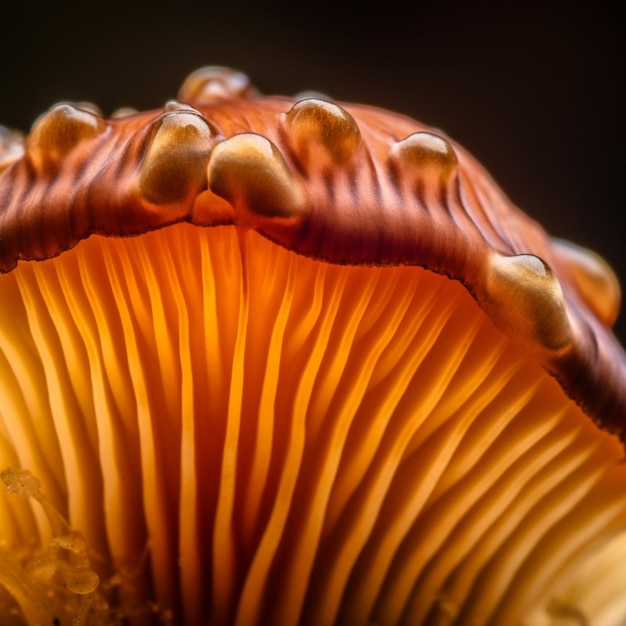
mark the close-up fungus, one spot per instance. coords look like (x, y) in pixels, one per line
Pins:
(268, 361)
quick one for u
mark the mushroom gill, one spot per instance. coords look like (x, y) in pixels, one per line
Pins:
(266, 361)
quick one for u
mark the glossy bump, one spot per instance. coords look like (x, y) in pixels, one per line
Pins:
(321, 132)
(177, 106)
(11, 147)
(594, 278)
(214, 83)
(425, 155)
(175, 164)
(123, 112)
(58, 132)
(524, 298)
(249, 171)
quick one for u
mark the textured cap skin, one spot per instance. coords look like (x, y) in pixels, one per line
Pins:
(345, 183)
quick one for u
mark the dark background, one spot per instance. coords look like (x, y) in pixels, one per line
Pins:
(534, 92)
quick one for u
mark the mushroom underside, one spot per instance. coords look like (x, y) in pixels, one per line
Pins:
(248, 436)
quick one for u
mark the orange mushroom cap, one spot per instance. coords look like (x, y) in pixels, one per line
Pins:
(265, 401)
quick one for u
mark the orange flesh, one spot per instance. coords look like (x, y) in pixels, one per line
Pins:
(293, 441)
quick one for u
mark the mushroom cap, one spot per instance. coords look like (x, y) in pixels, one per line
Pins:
(270, 227)
(346, 184)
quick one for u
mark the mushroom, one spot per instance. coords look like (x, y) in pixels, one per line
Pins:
(267, 361)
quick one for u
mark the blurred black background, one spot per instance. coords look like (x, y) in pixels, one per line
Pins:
(535, 92)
